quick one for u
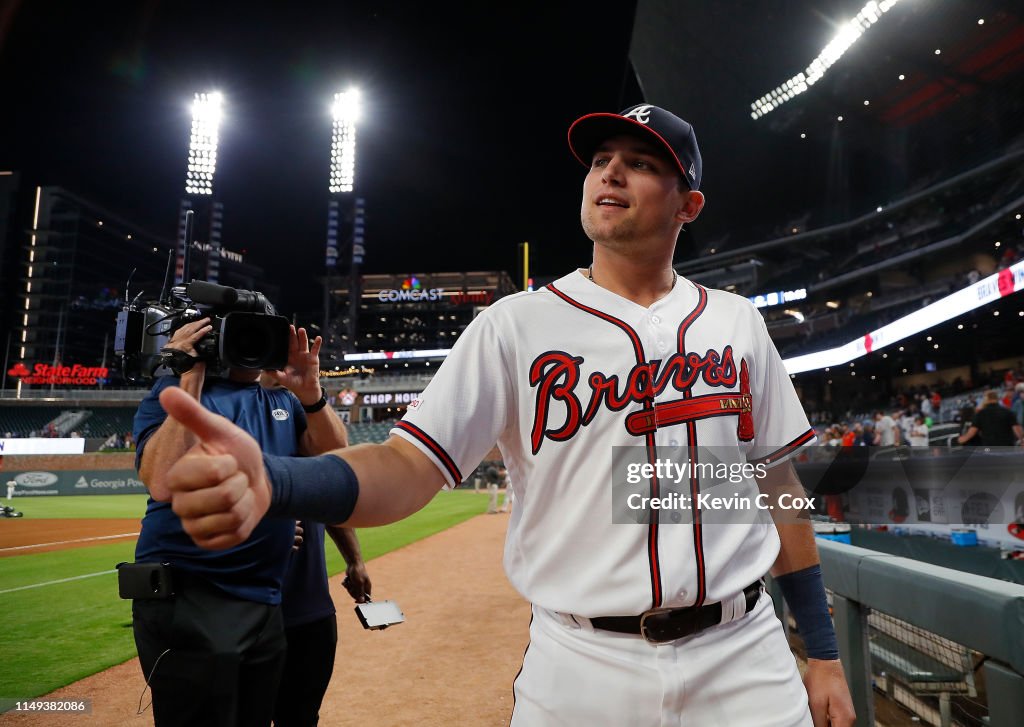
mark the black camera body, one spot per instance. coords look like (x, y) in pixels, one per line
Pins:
(247, 333)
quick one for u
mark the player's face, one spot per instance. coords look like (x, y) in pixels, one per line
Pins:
(632, 196)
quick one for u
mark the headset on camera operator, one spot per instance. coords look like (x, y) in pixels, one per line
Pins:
(208, 626)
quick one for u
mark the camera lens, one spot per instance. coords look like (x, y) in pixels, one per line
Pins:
(254, 341)
(246, 342)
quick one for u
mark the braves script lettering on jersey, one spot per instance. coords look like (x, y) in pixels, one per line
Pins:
(576, 363)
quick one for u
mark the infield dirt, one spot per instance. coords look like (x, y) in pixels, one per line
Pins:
(38, 535)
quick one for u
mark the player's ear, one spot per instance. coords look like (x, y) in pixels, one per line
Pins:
(690, 205)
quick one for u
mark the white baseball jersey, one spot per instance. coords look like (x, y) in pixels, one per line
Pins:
(561, 376)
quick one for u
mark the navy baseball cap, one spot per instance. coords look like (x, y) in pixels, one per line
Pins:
(646, 121)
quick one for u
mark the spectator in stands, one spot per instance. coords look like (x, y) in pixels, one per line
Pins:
(918, 432)
(887, 432)
(1009, 393)
(904, 421)
(993, 424)
(926, 407)
(966, 419)
(853, 435)
(867, 437)
(1017, 406)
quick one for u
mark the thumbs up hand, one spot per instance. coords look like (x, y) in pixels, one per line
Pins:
(219, 489)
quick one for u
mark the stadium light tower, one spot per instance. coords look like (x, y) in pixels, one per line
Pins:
(202, 148)
(207, 111)
(848, 34)
(345, 110)
(345, 220)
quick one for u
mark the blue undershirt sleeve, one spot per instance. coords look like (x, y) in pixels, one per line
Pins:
(804, 591)
(323, 489)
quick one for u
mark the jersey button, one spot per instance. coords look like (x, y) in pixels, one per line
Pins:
(673, 443)
(655, 319)
(662, 346)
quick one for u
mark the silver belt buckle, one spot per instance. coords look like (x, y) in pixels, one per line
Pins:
(643, 625)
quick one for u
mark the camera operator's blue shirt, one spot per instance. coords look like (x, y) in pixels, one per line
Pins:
(255, 569)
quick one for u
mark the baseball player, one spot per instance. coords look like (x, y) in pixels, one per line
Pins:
(661, 620)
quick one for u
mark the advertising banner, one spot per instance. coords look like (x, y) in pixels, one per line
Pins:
(971, 492)
(42, 445)
(41, 483)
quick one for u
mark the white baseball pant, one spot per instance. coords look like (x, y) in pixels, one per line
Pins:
(737, 674)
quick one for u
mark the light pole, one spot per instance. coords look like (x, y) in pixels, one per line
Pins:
(344, 212)
(207, 111)
(345, 112)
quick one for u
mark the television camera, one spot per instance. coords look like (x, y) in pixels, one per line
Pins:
(247, 333)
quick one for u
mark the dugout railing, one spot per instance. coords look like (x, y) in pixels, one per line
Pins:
(946, 645)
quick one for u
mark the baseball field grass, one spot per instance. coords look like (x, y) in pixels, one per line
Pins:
(62, 619)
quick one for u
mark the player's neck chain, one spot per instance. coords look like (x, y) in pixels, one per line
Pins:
(675, 276)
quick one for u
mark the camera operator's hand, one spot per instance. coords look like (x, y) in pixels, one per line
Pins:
(219, 489)
(185, 338)
(180, 354)
(301, 375)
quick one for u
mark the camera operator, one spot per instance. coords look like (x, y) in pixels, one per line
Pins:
(213, 652)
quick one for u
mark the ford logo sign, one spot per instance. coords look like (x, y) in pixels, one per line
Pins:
(36, 479)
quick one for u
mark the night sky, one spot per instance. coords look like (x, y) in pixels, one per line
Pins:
(461, 153)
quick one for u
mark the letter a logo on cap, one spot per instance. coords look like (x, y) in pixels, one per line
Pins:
(641, 113)
(693, 172)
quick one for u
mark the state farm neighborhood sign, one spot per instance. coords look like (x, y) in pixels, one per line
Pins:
(46, 375)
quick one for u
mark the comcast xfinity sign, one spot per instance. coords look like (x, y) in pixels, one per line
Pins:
(411, 289)
(395, 296)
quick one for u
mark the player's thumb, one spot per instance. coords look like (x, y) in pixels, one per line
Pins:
(210, 428)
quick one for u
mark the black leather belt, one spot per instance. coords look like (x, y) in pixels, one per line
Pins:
(661, 625)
